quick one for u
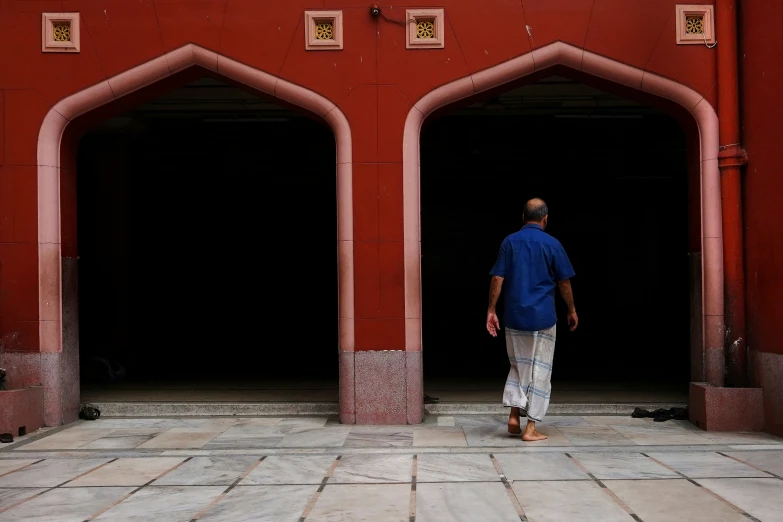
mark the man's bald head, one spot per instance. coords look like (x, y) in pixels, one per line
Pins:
(535, 211)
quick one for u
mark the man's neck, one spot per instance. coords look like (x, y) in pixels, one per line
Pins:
(537, 223)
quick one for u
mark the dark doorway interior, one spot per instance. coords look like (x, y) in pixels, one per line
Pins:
(614, 174)
(207, 241)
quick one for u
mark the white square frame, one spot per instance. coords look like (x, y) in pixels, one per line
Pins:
(412, 16)
(313, 18)
(707, 12)
(48, 43)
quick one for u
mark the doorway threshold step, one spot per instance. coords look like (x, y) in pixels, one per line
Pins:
(231, 409)
(555, 408)
(214, 409)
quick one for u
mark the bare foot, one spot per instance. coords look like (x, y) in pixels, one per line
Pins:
(532, 436)
(513, 422)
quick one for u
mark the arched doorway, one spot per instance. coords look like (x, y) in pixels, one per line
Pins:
(58, 286)
(706, 299)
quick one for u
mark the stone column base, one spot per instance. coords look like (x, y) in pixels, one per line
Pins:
(381, 387)
(726, 409)
(21, 408)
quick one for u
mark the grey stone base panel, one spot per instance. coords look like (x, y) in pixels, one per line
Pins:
(215, 409)
(472, 408)
(226, 409)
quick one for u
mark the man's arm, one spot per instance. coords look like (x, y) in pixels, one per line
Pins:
(493, 325)
(568, 296)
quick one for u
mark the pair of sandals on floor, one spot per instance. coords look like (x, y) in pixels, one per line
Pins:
(661, 414)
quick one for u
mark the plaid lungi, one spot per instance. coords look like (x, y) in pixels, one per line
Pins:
(528, 386)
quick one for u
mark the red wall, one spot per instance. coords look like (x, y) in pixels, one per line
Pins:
(374, 80)
(761, 86)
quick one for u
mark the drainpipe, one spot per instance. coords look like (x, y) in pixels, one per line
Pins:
(731, 158)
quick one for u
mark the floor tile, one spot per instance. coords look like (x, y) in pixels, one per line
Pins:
(672, 501)
(226, 423)
(370, 502)
(304, 422)
(771, 461)
(556, 437)
(7, 466)
(491, 437)
(118, 442)
(622, 466)
(65, 505)
(584, 501)
(595, 436)
(290, 469)
(329, 437)
(379, 436)
(157, 423)
(539, 466)
(49, 473)
(450, 437)
(653, 436)
(446, 421)
(124, 438)
(261, 504)
(370, 469)
(706, 465)
(208, 471)
(247, 437)
(66, 439)
(761, 498)
(612, 420)
(464, 502)
(563, 421)
(456, 468)
(176, 438)
(743, 438)
(127, 472)
(175, 503)
(477, 421)
(11, 496)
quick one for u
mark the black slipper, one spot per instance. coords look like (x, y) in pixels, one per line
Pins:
(89, 412)
(640, 413)
(6, 438)
(663, 417)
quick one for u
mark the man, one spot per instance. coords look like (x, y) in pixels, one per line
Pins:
(532, 263)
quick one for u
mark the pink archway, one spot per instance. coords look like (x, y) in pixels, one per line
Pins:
(561, 54)
(50, 288)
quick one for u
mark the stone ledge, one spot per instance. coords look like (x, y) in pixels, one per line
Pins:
(214, 409)
(495, 408)
(726, 409)
(21, 408)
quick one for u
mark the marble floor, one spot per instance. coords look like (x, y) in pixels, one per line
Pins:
(461, 468)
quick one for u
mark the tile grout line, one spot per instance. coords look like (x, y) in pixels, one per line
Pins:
(310, 505)
(228, 489)
(125, 497)
(412, 505)
(23, 467)
(681, 475)
(741, 462)
(708, 490)
(47, 490)
(605, 488)
(509, 490)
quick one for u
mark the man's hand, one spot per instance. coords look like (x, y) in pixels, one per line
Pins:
(573, 320)
(493, 325)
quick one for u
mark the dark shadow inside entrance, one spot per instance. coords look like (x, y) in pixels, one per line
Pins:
(614, 174)
(207, 246)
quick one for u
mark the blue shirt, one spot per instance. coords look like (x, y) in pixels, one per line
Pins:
(531, 263)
